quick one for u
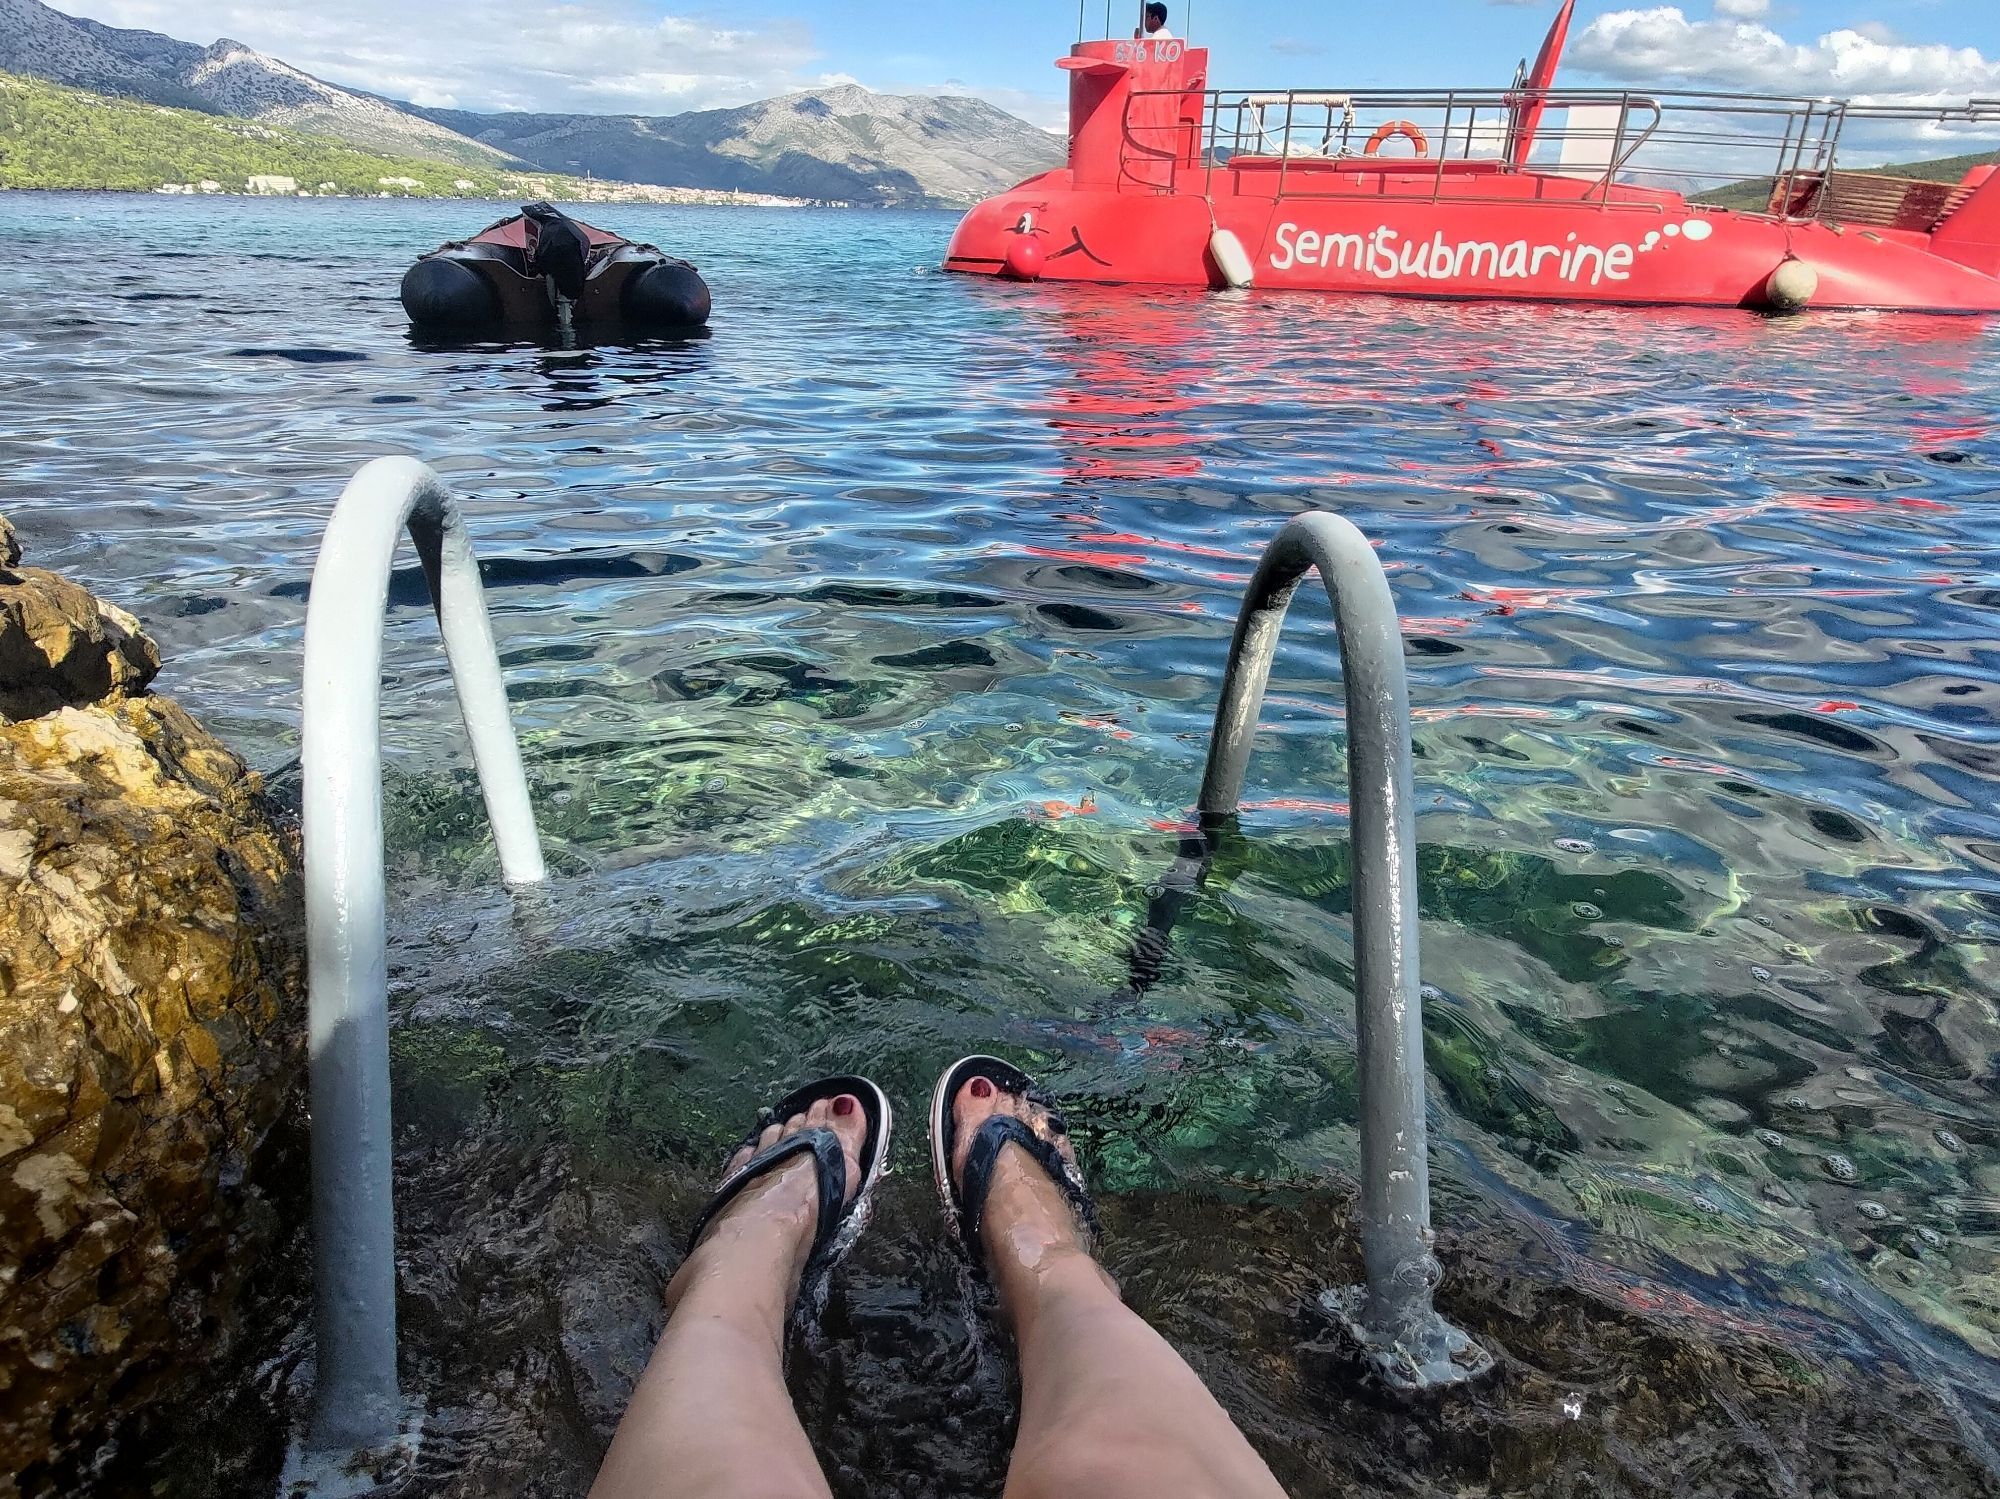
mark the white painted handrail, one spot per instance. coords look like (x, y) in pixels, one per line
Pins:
(358, 1403)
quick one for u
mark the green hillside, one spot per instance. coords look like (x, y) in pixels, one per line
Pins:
(57, 137)
(1755, 193)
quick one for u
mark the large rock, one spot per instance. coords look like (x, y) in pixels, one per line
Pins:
(61, 647)
(150, 986)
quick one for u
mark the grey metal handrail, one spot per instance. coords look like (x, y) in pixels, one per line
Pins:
(357, 1400)
(1392, 1317)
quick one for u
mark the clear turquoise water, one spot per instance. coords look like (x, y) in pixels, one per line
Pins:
(863, 655)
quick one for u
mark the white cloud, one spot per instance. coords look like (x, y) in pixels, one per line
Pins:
(601, 56)
(1743, 10)
(1286, 46)
(1662, 45)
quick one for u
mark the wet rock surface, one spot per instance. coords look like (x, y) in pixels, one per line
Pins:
(524, 1345)
(150, 989)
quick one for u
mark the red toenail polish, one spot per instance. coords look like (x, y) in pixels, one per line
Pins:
(843, 1105)
(981, 1088)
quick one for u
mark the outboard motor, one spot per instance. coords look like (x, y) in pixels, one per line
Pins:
(557, 248)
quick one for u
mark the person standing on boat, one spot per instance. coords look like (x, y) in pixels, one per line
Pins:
(1155, 28)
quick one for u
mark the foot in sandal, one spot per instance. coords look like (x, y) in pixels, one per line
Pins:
(712, 1415)
(1108, 1407)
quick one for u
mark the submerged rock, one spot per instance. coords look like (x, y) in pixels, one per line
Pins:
(150, 983)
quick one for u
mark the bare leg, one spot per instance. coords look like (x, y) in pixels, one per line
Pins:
(1108, 1409)
(711, 1416)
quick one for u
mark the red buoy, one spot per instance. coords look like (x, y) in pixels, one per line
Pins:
(1024, 258)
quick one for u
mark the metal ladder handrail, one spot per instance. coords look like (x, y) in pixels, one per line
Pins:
(1392, 1317)
(358, 1403)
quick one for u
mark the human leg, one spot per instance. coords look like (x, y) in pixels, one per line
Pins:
(711, 1417)
(1108, 1408)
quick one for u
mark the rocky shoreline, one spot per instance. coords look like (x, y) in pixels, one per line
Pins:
(151, 1023)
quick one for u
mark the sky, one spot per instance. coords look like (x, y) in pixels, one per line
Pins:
(665, 56)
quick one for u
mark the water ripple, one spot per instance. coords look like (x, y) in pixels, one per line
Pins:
(863, 654)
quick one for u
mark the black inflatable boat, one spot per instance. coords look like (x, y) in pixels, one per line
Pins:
(544, 271)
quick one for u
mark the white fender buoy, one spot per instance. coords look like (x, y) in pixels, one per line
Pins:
(1791, 285)
(1230, 258)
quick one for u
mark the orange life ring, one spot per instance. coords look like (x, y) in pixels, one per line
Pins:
(1414, 134)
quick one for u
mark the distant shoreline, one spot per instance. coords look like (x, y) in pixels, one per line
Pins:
(717, 199)
(54, 137)
(530, 191)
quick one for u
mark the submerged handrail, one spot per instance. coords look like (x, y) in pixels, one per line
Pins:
(1392, 1317)
(358, 1402)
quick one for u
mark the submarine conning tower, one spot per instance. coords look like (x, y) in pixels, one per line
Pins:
(1136, 112)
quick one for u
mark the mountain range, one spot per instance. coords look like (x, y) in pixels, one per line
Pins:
(842, 144)
(846, 143)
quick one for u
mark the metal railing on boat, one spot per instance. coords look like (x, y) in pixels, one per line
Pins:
(358, 1402)
(1314, 142)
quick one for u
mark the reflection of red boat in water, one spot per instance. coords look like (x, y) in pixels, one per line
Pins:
(1526, 192)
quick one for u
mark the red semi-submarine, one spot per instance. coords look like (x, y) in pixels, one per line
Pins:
(1528, 192)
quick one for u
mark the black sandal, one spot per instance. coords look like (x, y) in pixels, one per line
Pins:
(965, 1208)
(840, 1221)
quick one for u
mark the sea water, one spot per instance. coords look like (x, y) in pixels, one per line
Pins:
(863, 655)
